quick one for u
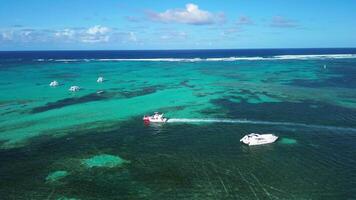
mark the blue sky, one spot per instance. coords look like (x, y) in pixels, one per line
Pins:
(176, 24)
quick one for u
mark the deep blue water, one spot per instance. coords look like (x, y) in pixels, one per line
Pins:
(131, 54)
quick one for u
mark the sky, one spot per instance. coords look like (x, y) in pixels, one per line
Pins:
(176, 24)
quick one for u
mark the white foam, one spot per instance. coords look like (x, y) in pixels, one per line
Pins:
(217, 59)
(317, 57)
(155, 59)
(245, 121)
(68, 60)
(230, 59)
(235, 58)
(59, 60)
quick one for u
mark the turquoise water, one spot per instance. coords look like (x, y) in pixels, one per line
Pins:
(49, 136)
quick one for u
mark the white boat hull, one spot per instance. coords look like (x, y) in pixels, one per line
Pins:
(257, 139)
(163, 120)
(156, 118)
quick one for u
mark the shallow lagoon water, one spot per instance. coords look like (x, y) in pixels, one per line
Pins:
(46, 130)
(55, 176)
(103, 160)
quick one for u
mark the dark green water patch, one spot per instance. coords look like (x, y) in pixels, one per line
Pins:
(185, 84)
(303, 112)
(340, 74)
(244, 95)
(172, 108)
(7, 103)
(140, 92)
(73, 101)
(250, 94)
(238, 98)
(342, 82)
(182, 161)
(277, 77)
(9, 128)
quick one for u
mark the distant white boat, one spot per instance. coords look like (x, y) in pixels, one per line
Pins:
(100, 79)
(54, 84)
(258, 139)
(74, 88)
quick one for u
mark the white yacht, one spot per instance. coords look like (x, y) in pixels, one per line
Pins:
(258, 139)
(100, 79)
(74, 88)
(157, 117)
(54, 84)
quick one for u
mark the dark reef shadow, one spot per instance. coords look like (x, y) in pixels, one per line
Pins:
(301, 112)
(73, 101)
(141, 92)
(343, 76)
(183, 161)
(95, 97)
(185, 84)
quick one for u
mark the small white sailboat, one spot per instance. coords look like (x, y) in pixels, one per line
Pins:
(74, 88)
(258, 139)
(100, 79)
(157, 117)
(54, 84)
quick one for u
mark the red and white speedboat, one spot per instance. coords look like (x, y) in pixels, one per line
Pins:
(157, 118)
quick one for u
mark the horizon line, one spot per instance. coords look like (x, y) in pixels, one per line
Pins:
(176, 49)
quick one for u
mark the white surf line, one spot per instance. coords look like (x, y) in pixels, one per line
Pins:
(213, 59)
(245, 121)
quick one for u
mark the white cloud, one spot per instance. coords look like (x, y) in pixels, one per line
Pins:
(8, 35)
(95, 39)
(22, 35)
(66, 33)
(132, 37)
(98, 30)
(96, 34)
(124, 37)
(190, 15)
(26, 33)
(173, 35)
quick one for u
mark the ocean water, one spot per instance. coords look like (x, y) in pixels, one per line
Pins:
(213, 98)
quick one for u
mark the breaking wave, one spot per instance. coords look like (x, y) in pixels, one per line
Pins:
(226, 59)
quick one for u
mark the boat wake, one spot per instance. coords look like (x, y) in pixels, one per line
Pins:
(245, 121)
